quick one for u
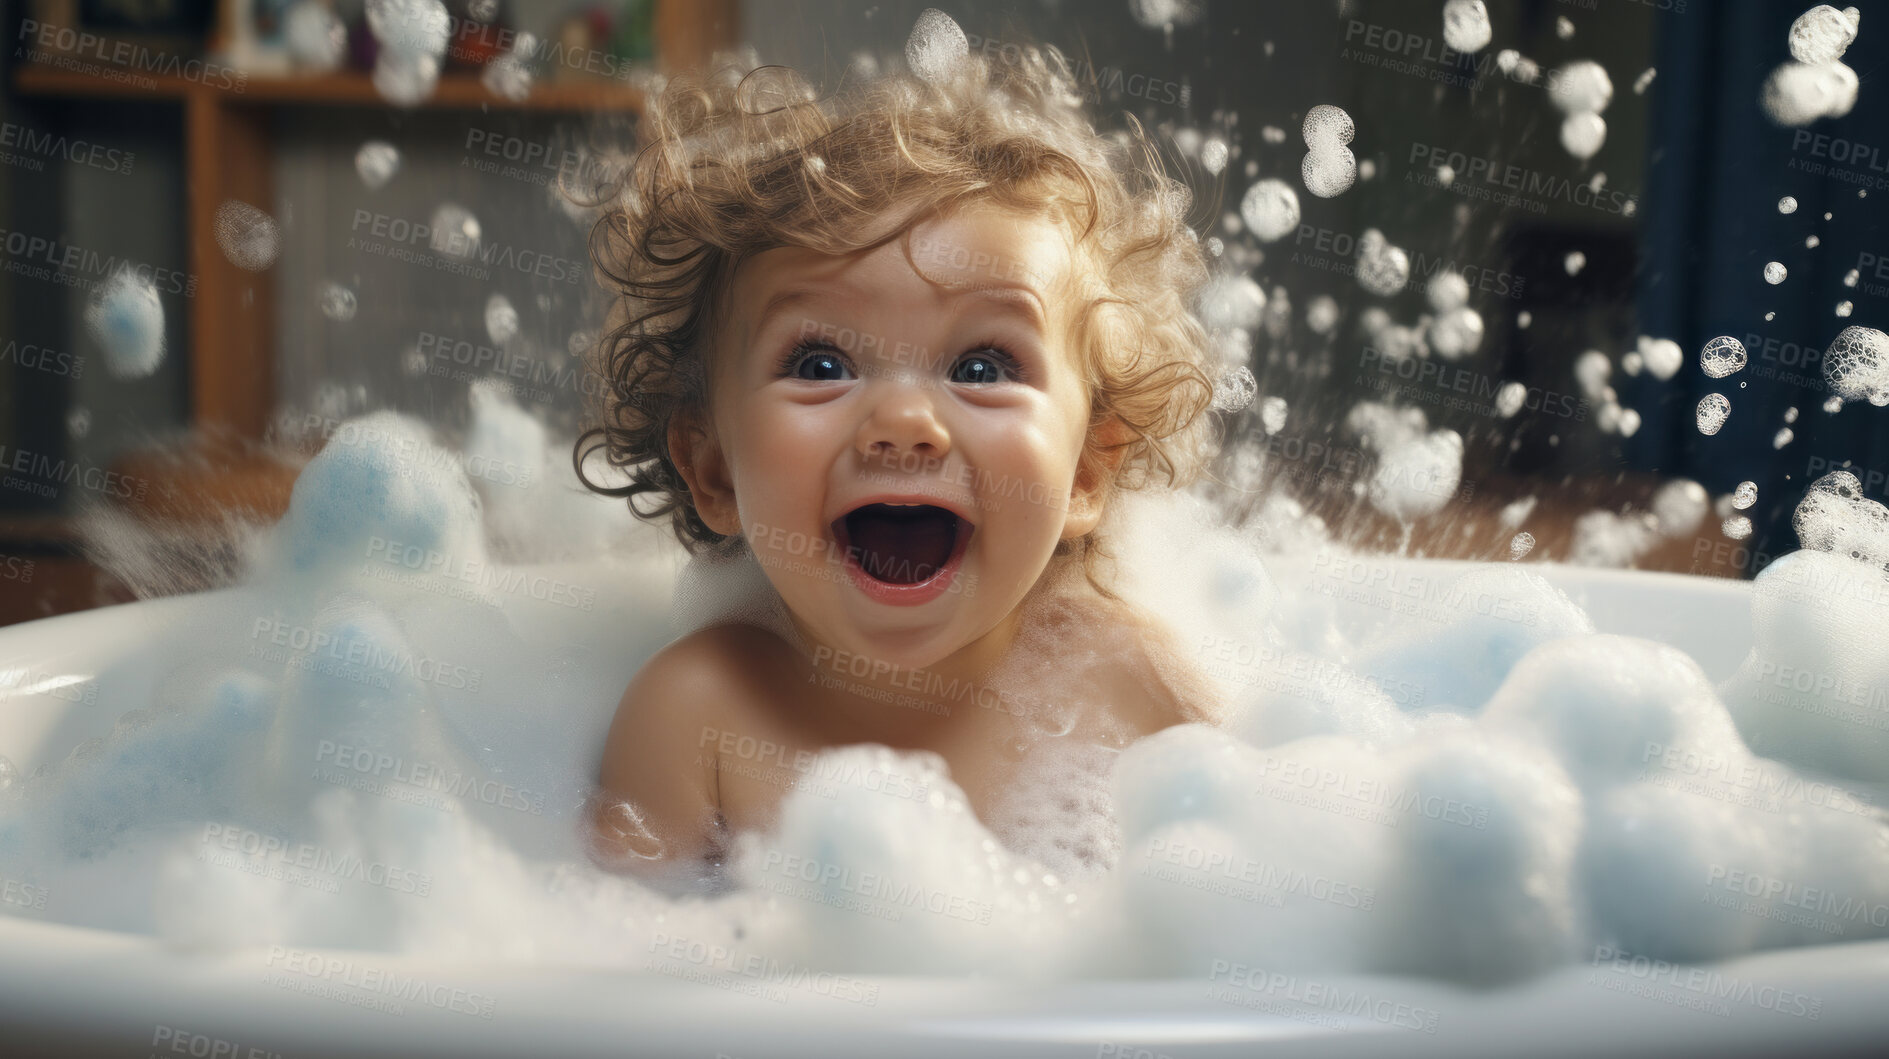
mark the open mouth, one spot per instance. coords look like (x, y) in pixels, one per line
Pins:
(901, 544)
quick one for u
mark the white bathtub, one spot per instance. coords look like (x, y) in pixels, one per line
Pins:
(72, 991)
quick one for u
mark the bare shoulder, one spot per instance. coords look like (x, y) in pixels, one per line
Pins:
(658, 758)
(1149, 670)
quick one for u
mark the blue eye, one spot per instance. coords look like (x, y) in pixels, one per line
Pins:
(983, 367)
(817, 365)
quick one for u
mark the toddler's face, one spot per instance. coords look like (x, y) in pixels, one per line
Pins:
(899, 446)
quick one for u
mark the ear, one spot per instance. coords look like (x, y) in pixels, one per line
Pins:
(1095, 478)
(704, 468)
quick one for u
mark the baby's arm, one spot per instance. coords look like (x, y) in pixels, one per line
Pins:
(658, 813)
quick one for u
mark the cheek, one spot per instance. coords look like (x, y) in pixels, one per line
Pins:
(780, 461)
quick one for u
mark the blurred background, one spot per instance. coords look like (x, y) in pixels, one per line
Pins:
(318, 222)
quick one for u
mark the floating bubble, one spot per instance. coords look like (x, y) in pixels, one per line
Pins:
(1521, 544)
(1845, 308)
(1213, 155)
(501, 320)
(1774, 272)
(1523, 319)
(337, 302)
(377, 161)
(1662, 355)
(1449, 290)
(1516, 512)
(1367, 169)
(1321, 315)
(1160, 14)
(1235, 391)
(455, 231)
(1737, 527)
(1382, 269)
(409, 27)
(482, 10)
(1722, 356)
(1581, 87)
(1507, 59)
(128, 320)
(1629, 422)
(1509, 399)
(1417, 477)
(1644, 81)
(1329, 172)
(1466, 25)
(1564, 27)
(79, 422)
(1445, 175)
(1810, 242)
(1857, 365)
(936, 47)
(1745, 495)
(1582, 135)
(1798, 93)
(1456, 333)
(1790, 414)
(249, 237)
(1783, 437)
(316, 38)
(1327, 126)
(1632, 362)
(1228, 302)
(507, 76)
(1787, 204)
(1850, 278)
(1821, 35)
(1270, 209)
(1679, 505)
(1272, 414)
(1574, 262)
(1273, 134)
(1592, 369)
(405, 80)
(1713, 410)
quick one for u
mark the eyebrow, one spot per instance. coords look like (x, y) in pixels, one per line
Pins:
(1021, 300)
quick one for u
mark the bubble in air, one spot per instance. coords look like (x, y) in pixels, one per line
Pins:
(1466, 25)
(1327, 126)
(1737, 527)
(1270, 209)
(376, 162)
(1782, 438)
(507, 76)
(1509, 399)
(1581, 87)
(1644, 81)
(1456, 333)
(1418, 476)
(337, 302)
(1213, 155)
(79, 422)
(1521, 544)
(482, 10)
(1449, 290)
(1821, 35)
(1235, 391)
(248, 237)
(1574, 262)
(1799, 93)
(1713, 410)
(1679, 506)
(1845, 308)
(936, 47)
(1564, 27)
(1523, 319)
(1629, 422)
(1811, 242)
(1329, 173)
(1592, 369)
(405, 80)
(1857, 365)
(501, 320)
(128, 320)
(1774, 272)
(1745, 495)
(1787, 204)
(1382, 269)
(316, 38)
(1833, 405)
(1516, 512)
(1160, 14)
(1232, 302)
(1850, 278)
(455, 231)
(1321, 315)
(1722, 356)
(1272, 414)
(1583, 135)
(1790, 414)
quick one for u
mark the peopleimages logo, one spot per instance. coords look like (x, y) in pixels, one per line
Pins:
(1471, 171)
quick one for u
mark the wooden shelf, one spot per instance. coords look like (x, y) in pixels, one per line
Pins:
(351, 89)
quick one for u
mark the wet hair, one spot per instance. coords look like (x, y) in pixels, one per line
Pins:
(745, 159)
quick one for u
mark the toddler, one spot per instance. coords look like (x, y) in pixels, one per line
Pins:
(898, 349)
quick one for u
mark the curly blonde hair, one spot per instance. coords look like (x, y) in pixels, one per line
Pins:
(740, 161)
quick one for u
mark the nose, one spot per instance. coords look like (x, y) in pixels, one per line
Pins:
(902, 421)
